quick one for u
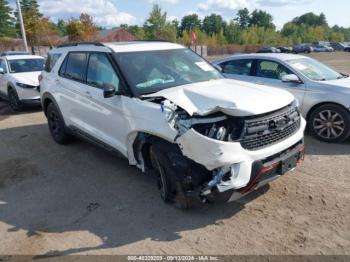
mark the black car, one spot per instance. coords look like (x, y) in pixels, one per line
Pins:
(269, 50)
(285, 49)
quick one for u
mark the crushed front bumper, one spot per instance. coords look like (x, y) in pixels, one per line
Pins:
(263, 172)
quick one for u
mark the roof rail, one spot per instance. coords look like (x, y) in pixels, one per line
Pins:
(80, 43)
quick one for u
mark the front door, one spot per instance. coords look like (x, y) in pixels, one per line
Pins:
(270, 73)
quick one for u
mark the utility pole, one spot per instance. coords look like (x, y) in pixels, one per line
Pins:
(23, 31)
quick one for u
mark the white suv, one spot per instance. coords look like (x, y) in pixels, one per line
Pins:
(19, 82)
(166, 109)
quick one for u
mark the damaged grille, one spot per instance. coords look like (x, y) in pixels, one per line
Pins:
(270, 129)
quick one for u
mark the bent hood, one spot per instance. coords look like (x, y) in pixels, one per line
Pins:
(229, 96)
(30, 78)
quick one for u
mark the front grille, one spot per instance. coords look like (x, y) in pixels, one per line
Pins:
(271, 128)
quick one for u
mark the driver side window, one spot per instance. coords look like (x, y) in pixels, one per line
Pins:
(271, 69)
(100, 71)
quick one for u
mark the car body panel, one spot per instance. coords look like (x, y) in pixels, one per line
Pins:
(229, 96)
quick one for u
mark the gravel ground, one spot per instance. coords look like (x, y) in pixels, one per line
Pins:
(80, 199)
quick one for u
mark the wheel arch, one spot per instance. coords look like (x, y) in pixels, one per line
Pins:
(314, 107)
(140, 142)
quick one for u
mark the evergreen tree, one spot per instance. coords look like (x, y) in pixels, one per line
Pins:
(7, 28)
(30, 5)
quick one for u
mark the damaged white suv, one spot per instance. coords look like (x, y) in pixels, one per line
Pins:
(166, 109)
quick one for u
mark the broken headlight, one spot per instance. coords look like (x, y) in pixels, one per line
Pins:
(227, 130)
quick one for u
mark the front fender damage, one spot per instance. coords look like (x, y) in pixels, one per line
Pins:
(201, 161)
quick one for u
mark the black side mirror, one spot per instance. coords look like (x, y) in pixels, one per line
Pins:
(108, 90)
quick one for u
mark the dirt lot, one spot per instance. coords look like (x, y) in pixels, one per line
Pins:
(80, 199)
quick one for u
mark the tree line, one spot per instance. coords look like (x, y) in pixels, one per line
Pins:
(245, 27)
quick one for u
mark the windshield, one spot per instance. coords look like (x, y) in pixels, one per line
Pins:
(314, 70)
(151, 71)
(26, 65)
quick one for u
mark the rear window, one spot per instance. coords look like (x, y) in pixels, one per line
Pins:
(74, 66)
(51, 61)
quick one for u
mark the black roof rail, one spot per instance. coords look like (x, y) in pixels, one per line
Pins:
(80, 43)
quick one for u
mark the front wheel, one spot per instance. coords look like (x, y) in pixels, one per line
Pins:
(15, 103)
(330, 123)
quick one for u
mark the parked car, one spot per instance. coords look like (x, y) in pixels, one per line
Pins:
(269, 50)
(323, 94)
(324, 43)
(285, 49)
(302, 48)
(19, 82)
(337, 46)
(322, 48)
(347, 49)
(166, 109)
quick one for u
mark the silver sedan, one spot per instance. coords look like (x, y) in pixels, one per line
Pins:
(323, 94)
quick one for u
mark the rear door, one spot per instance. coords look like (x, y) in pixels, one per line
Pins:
(270, 73)
(239, 69)
(72, 95)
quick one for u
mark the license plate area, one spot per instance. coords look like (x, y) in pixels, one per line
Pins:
(288, 164)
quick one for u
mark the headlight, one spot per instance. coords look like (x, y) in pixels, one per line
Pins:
(227, 130)
(24, 85)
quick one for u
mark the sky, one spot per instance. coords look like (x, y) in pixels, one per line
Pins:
(111, 13)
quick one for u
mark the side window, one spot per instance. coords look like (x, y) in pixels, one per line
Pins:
(3, 65)
(51, 61)
(237, 67)
(101, 71)
(74, 66)
(270, 69)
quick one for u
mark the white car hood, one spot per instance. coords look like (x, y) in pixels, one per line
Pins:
(229, 96)
(30, 78)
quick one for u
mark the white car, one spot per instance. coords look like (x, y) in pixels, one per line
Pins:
(19, 82)
(323, 94)
(166, 109)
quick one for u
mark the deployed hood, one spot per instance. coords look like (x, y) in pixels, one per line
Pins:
(229, 96)
(30, 78)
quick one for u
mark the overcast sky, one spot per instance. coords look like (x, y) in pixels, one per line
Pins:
(110, 13)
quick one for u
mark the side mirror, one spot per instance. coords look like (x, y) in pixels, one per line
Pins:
(291, 79)
(2, 71)
(108, 90)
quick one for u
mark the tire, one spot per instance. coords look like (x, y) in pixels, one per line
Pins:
(171, 192)
(15, 104)
(163, 182)
(330, 123)
(57, 126)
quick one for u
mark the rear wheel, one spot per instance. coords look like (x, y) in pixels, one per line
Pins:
(57, 127)
(330, 123)
(15, 103)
